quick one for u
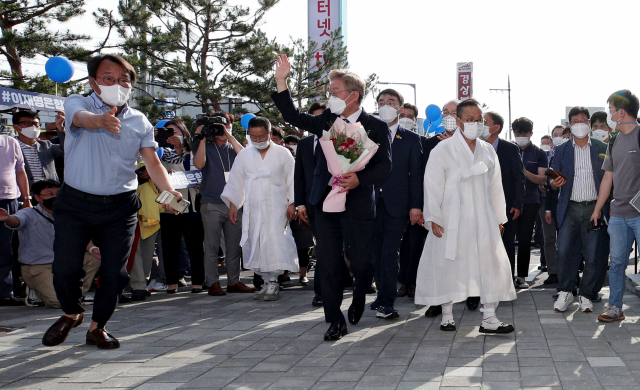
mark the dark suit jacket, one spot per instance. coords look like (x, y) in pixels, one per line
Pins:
(564, 162)
(360, 200)
(402, 191)
(428, 144)
(512, 170)
(47, 152)
(303, 176)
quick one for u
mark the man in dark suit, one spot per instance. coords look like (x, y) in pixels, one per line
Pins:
(581, 161)
(399, 201)
(354, 226)
(415, 234)
(513, 179)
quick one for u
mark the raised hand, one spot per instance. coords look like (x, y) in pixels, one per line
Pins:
(283, 68)
(110, 122)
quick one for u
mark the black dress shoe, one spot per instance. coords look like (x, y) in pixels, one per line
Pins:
(433, 311)
(317, 301)
(196, 290)
(473, 302)
(448, 326)
(372, 290)
(138, 295)
(552, 279)
(355, 312)
(102, 339)
(11, 302)
(124, 299)
(336, 331)
(59, 331)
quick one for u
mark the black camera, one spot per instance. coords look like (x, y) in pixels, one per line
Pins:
(162, 137)
(213, 126)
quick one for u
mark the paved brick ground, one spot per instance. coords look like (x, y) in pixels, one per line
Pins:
(192, 341)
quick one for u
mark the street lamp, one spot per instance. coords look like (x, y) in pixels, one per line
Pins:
(509, 92)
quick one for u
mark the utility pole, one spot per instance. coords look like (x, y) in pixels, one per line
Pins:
(508, 90)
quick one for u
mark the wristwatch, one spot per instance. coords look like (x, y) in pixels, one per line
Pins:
(27, 198)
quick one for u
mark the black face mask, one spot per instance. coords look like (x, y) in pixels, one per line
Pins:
(48, 203)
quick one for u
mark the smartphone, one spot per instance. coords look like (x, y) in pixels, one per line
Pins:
(163, 135)
(552, 174)
(181, 206)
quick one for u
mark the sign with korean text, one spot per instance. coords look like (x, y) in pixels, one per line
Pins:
(465, 80)
(182, 180)
(325, 16)
(31, 100)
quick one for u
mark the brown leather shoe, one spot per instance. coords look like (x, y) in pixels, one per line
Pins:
(402, 291)
(240, 288)
(216, 290)
(59, 331)
(103, 339)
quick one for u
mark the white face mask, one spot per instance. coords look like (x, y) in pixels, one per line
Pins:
(114, 95)
(31, 132)
(449, 123)
(486, 133)
(181, 138)
(546, 148)
(557, 141)
(472, 130)
(600, 135)
(294, 148)
(612, 124)
(337, 105)
(580, 130)
(522, 141)
(407, 123)
(388, 113)
(262, 145)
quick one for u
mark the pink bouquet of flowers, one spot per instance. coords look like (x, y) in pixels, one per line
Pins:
(347, 149)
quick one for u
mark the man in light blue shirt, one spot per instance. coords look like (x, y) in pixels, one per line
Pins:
(105, 138)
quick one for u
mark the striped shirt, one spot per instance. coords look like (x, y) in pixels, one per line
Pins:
(584, 188)
(32, 159)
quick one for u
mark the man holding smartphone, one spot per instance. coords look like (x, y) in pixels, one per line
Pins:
(98, 200)
(579, 161)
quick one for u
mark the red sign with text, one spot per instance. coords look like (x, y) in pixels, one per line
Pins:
(465, 80)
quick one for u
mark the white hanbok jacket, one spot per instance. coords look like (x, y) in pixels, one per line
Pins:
(463, 194)
(265, 188)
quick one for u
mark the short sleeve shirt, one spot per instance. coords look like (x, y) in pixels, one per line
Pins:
(11, 161)
(220, 159)
(98, 161)
(624, 162)
(532, 159)
(36, 236)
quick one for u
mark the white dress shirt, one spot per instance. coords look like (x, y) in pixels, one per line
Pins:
(393, 130)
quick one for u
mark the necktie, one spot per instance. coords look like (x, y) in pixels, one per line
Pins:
(346, 120)
(316, 153)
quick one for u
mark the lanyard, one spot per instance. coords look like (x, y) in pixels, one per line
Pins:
(222, 162)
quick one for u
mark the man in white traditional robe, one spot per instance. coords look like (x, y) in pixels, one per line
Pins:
(262, 179)
(464, 208)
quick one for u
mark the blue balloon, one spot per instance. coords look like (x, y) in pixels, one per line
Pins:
(162, 123)
(437, 122)
(440, 129)
(433, 113)
(244, 121)
(160, 152)
(59, 69)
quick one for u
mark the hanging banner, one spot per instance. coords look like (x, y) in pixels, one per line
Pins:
(465, 80)
(31, 100)
(325, 16)
(185, 179)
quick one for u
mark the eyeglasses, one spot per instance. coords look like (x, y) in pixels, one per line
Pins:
(260, 138)
(390, 104)
(29, 124)
(447, 112)
(584, 121)
(109, 81)
(335, 93)
(481, 121)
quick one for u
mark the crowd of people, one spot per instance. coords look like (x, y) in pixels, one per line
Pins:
(435, 219)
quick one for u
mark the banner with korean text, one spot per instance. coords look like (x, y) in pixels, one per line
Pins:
(465, 80)
(31, 100)
(325, 16)
(189, 179)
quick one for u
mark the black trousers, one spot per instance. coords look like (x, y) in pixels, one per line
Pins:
(335, 231)
(80, 218)
(173, 228)
(526, 222)
(410, 253)
(387, 238)
(509, 240)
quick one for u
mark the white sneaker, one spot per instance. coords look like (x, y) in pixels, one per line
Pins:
(585, 304)
(260, 294)
(159, 287)
(32, 298)
(273, 289)
(564, 300)
(150, 285)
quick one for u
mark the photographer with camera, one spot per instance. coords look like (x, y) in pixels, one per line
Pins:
(215, 152)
